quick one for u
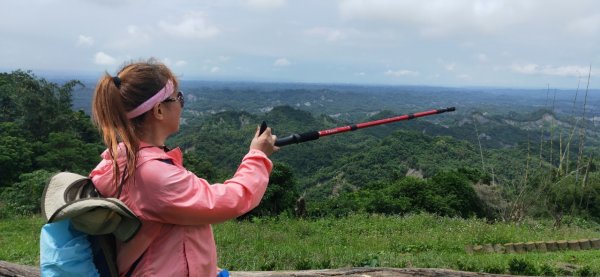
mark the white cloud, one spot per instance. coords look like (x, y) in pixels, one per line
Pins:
(563, 71)
(215, 69)
(135, 32)
(545, 39)
(483, 58)
(328, 34)
(192, 25)
(85, 41)
(529, 68)
(281, 62)
(439, 17)
(265, 4)
(466, 77)
(449, 66)
(178, 63)
(104, 59)
(568, 70)
(586, 26)
(401, 73)
(219, 60)
(132, 38)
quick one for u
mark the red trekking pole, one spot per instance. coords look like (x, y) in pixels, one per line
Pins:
(298, 138)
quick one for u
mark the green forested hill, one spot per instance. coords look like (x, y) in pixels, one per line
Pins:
(39, 134)
(416, 144)
(516, 158)
(497, 162)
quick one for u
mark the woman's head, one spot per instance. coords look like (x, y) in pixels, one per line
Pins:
(126, 104)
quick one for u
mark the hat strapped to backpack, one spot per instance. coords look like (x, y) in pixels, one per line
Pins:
(73, 196)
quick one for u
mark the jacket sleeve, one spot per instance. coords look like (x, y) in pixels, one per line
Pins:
(171, 194)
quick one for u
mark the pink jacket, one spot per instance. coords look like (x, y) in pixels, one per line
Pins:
(177, 209)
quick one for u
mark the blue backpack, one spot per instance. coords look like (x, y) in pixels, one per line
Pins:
(79, 236)
(65, 251)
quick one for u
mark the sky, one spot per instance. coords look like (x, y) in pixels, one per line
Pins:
(456, 43)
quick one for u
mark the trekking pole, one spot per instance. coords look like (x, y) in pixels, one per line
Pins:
(298, 138)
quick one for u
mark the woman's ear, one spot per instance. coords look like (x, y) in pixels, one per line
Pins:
(158, 112)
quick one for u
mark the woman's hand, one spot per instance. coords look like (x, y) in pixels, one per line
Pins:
(264, 142)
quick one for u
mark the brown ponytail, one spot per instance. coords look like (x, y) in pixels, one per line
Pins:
(113, 99)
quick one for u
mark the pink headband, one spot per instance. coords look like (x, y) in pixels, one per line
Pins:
(160, 96)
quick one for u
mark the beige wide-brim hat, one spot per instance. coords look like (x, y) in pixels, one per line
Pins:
(73, 196)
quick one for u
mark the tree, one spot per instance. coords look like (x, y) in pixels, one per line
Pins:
(65, 152)
(24, 197)
(457, 194)
(201, 167)
(280, 196)
(15, 154)
(39, 129)
(447, 194)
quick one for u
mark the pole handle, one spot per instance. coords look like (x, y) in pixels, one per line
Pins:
(297, 138)
(263, 127)
(291, 139)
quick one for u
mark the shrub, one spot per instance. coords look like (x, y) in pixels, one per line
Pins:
(24, 197)
(456, 194)
(324, 263)
(547, 270)
(522, 267)
(267, 266)
(280, 196)
(445, 194)
(585, 271)
(466, 266)
(303, 264)
(371, 260)
(494, 269)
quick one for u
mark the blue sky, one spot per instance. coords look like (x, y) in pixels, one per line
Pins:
(524, 43)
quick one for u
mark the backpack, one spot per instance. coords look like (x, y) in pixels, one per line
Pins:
(82, 228)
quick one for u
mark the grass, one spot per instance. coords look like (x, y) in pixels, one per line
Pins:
(422, 240)
(20, 240)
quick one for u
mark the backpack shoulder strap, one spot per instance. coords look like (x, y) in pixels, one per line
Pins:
(104, 249)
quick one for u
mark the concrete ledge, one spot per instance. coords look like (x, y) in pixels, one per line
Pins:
(535, 246)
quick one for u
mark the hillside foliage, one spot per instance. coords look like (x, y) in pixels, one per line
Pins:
(498, 165)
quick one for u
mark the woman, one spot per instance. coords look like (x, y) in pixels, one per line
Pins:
(136, 111)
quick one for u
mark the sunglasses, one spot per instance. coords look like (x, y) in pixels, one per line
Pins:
(179, 98)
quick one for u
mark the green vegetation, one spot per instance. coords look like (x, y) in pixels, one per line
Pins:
(445, 194)
(416, 240)
(20, 240)
(404, 194)
(39, 133)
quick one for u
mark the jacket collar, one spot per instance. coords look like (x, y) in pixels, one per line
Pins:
(151, 152)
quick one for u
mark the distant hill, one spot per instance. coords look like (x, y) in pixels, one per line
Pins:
(355, 102)
(352, 160)
(220, 118)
